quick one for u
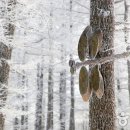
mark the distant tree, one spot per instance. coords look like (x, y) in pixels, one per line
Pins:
(126, 36)
(49, 123)
(39, 101)
(5, 54)
(72, 109)
(50, 100)
(24, 107)
(102, 111)
(62, 93)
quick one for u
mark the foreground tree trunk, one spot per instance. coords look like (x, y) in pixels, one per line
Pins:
(5, 54)
(102, 111)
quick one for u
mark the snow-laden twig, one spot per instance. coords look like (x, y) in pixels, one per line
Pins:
(103, 60)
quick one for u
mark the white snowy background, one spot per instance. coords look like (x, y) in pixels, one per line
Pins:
(41, 38)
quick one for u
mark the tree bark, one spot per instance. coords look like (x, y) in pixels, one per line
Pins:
(126, 34)
(5, 54)
(16, 125)
(24, 118)
(39, 102)
(102, 111)
(62, 93)
(72, 109)
(50, 100)
(72, 114)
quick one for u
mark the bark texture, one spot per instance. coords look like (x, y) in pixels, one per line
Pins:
(39, 103)
(72, 114)
(50, 100)
(62, 92)
(5, 54)
(126, 36)
(72, 111)
(102, 111)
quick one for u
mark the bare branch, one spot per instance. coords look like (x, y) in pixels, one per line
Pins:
(72, 11)
(81, 5)
(116, 2)
(103, 60)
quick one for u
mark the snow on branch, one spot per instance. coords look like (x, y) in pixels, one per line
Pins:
(103, 59)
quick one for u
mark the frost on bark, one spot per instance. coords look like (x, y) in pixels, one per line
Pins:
(16, 124)
(5, 54)
(50, 100)
(102, 111)
(72, 114)
(126, 34)
(39, 99)
(62, 92)
(24, 118)
(72, 111)
(21, 121)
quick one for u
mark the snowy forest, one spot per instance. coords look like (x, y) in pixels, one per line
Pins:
(38, 88)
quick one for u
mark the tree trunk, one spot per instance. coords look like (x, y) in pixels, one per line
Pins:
(72, 115)
(5, 54)
(126, 34)
(50, 100)
(39, 102)
(102, 111)
(72, 112)
(16, 124)
(24, 118)
(62, 92)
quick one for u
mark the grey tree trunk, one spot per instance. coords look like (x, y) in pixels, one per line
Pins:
(102, 111)
(126, 34)
(16, 124)
(62, 92)
(72, 114)
(39, 103)
(24, 118)
(5, 54)
(50, 100)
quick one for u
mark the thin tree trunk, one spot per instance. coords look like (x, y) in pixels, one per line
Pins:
(49, 125)
(16, 124)
(126, 34)
(39, 109)
(72, 114)
(50, 100)
(102, 111)
(24, 118)
(5, 53)
(62, 92)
